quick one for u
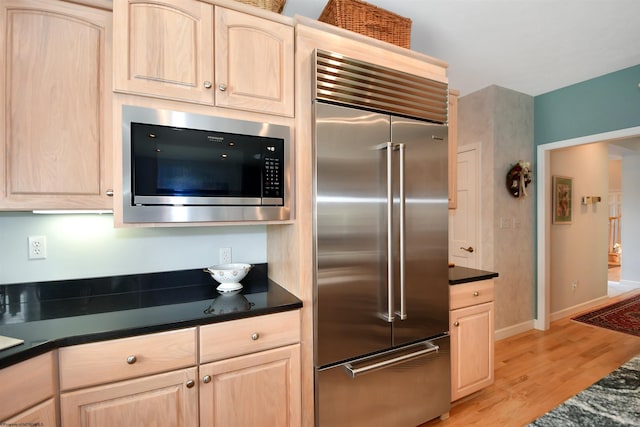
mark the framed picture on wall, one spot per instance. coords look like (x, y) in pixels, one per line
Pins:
(562, 199)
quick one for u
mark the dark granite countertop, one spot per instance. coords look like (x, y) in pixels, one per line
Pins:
(48, 315)
(459, 275)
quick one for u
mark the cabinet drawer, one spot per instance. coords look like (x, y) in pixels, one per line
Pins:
(114, 360)
(236, 337)
(471, 293)
(25, 384)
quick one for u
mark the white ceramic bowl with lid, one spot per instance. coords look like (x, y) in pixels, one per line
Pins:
(229, 275)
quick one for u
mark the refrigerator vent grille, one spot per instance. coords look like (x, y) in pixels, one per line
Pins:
(361, 84)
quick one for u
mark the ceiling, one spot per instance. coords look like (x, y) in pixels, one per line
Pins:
(530, 46)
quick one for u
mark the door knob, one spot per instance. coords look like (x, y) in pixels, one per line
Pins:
(469, 249)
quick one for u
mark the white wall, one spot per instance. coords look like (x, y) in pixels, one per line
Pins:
(615, 175)
(81, 246)
(579, 251)
(630, 271)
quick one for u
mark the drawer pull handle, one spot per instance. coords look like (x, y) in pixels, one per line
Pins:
(476, 293)
(255, 336)
(222, 87)
(191, 383)
(207, 84)
(206, 379)
(456, 323)
(131, 360)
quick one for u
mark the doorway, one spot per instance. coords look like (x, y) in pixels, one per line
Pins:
(543, 292)
(465, 220)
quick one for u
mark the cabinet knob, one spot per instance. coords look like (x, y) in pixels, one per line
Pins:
(255, 336)
(191, 383)
(109, 193)
(222, 87)
(207, 84)
(456, 323)
(132, 359)
(476, 293)
(206, 379)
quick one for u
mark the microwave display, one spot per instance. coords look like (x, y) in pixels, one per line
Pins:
(199, 167)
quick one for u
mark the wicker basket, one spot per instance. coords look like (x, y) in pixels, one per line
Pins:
(367, 19)
(272, 5)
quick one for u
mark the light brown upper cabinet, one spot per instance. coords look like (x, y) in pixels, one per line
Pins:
(164, 49)
(55, 106)
(254, 63)
(192, 51)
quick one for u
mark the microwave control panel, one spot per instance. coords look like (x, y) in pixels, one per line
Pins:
(272, 177)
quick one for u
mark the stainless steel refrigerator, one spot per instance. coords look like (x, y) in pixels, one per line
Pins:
(381, 308)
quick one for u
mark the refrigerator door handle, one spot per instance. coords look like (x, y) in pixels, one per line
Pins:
(389, 316)
(402, 314)
(354, 372)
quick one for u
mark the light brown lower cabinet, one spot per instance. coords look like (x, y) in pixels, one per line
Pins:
(246, 373)
(28, 392)
(260, 389)
(472, 337)
(43, 414)
(162, 400)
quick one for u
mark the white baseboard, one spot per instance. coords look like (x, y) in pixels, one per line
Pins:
(570, 311)
(631, 284)
(621, 287)
(512, 330)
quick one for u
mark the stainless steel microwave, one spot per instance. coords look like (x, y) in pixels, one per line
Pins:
(184, 167)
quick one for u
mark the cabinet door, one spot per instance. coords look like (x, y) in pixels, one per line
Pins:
(55, 113)
(472, 339)
(260, 389)
(43, 414)
(164, 49)
(163, 400)
(18, 394)
(254, 63)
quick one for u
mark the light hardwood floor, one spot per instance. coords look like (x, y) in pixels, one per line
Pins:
(537, 370)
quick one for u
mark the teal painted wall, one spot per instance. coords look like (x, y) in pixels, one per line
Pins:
(603, 104)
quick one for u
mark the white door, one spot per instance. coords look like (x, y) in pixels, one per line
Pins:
(464, 222)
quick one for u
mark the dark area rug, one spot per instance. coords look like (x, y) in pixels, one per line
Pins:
(622, 316)
(612, 401)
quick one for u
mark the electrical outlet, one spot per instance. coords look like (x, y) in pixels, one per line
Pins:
(225, 255)
(574, 285)
(37, 247)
